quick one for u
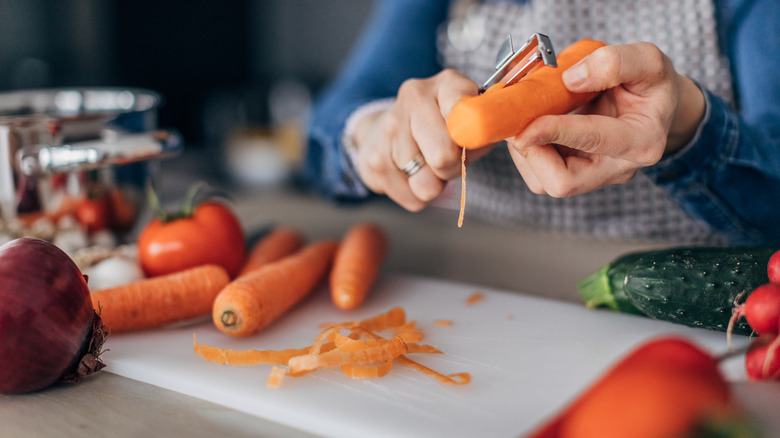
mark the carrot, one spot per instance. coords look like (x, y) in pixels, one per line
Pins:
(255, 300)
(504, 111)
(357, 265)
(153, 302)
(280, 242)
(665, 387)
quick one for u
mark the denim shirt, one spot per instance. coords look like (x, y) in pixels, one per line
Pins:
(728, 175)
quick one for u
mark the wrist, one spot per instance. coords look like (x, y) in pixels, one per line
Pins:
(690, 111)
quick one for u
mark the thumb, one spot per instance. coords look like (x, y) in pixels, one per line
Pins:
(633, 65)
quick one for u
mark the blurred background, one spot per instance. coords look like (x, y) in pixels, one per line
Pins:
(237, 76)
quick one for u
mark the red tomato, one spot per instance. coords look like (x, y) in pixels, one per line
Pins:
(212, 234)
(93, 213)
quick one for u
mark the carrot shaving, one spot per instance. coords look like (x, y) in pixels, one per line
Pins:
(352, 346)
(276, 377)
(443, 322)
(367, 372)
(252, 357)
(462, 187)
(451, 379)
(368, 355)
(475, 298)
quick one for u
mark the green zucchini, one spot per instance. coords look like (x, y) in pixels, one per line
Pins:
(693, 286)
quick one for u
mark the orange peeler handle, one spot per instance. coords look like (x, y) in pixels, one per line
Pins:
(504, 111)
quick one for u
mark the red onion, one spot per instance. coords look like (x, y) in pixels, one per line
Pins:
(49, 330)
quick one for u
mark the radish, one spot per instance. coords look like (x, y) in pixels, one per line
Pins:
(773, 268)
(761, 359)
(761, 309)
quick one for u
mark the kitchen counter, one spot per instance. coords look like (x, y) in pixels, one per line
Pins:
(428, 243)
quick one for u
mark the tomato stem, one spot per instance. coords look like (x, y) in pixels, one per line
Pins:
(188, 206)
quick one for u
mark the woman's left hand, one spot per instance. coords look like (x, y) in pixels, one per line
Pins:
(646, 110)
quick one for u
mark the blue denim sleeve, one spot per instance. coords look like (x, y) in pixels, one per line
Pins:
(398, 43)
(729, 175)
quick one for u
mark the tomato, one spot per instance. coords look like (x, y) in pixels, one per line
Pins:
(211, 234)
(93, 213)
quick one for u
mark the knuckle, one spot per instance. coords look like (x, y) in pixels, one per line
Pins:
(561, 189)
(439, 160)
(374, 164)
(412, 89)
(390, 125)
(449, 74)
(625, 177)
(655, 59)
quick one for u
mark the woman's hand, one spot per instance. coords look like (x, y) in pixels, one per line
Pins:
(416, 124)
(646, 110)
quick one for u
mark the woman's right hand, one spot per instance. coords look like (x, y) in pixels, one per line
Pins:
(415, 124)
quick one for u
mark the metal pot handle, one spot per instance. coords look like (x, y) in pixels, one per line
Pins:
(113, 149)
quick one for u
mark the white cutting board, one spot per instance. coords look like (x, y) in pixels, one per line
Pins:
(527, 356)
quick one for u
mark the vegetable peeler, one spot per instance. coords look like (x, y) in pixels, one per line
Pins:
(511, 65)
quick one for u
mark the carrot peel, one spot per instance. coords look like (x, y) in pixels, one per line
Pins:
(360, 354)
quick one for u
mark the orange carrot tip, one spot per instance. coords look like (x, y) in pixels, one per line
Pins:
(357, 265)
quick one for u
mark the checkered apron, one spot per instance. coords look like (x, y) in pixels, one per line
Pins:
(683, 29)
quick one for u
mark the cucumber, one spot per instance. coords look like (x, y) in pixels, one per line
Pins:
(604, 288)
(693, 286)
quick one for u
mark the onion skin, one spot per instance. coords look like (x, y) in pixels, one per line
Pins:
(49, 330)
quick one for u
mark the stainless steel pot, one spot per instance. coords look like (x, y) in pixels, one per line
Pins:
(44, 133)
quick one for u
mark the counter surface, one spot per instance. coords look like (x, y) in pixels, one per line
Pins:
(428, 243)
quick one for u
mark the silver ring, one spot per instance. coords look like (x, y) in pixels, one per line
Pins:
(414, 165)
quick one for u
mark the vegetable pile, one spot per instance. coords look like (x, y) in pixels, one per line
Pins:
(49, 331)
(360, 354)
(700, 287)
(693, 286)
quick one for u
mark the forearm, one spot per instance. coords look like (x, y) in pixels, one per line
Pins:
(399, 43)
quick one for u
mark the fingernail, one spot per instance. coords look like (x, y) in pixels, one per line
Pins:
(576, 75)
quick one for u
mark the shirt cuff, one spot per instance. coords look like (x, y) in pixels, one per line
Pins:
(348, 136)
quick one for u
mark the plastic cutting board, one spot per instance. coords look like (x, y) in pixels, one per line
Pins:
(527, 357)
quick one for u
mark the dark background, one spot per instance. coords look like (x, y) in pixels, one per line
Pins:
(214, 61)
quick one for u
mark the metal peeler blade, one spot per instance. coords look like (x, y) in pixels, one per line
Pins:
(511, 65)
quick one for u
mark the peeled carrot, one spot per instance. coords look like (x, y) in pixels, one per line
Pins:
(280, 242)
(504, 111)
(666, 387)
(255, 300)
(357, 265)
(161, 300)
